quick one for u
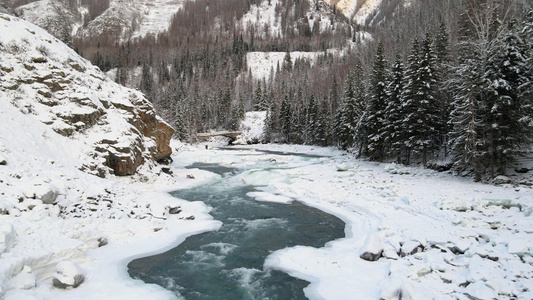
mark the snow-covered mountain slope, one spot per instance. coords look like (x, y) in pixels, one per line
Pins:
(53, 15)
(356, 10)
(116, 128)
(123, 19)
(60, 115)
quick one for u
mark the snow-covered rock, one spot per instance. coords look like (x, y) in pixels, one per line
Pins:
(410, 248)
(159, 209)
(373, 248)
(519, 247)
(252, 128)
(67, 274)
(501, 179)
(47, 193)
(480, 291)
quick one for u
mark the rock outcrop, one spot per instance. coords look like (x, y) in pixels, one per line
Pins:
(67, 274)
(43, 77)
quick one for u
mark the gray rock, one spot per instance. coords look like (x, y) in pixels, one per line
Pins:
(174, 210)
(502, 180)
(371, 256)
(67, 275)
(78, 279)
(410, 248)
(47, 193)
(102, 242)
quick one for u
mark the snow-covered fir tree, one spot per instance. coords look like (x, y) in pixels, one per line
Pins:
(374, 121)
(421, 121)
(395, 136)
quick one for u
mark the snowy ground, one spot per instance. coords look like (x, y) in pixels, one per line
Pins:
(440, 236)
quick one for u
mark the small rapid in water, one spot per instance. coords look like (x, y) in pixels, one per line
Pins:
(228, 263)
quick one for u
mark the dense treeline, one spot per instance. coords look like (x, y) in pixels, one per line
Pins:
(475, 107)
(196, 74)
(439, 81)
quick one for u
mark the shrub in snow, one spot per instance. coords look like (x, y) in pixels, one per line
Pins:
(67, 274)
(7, 237)
(373, 248)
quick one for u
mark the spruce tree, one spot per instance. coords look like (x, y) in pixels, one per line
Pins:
(285, 119)
(147, 82)
(420, 105)
(374, 121)
(410, 99)
(506, 72)
(395, 136)
(443, 63)
(345, 121)
(311, 121)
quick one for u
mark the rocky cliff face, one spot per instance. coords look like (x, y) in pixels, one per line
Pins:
(44, 78)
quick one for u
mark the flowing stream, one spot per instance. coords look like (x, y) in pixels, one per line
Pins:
(228, 263)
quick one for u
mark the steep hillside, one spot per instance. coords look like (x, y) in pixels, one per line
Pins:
(62, 121)
(356, 10)
(42, 77)
(119, 19)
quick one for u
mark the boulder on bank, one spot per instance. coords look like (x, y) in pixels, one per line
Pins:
(373, 248)
(67, 274)
(47, 193)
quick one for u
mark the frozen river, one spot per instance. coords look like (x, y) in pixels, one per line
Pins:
(229, 263)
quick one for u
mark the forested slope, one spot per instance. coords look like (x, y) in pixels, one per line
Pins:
(417, 82)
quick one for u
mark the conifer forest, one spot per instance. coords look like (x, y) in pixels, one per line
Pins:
(442, 84)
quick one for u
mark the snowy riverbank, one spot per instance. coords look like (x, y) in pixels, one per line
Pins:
(439, 236)
(459, 238)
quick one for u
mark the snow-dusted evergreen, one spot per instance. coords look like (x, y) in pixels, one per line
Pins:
(491, 116)
(395, 134)
(351, 109)
(374, 120)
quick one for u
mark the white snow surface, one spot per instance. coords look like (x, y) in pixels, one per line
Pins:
(156, 15)
(251, 128)
(263, 64)
(357, 10)
(411, 208)
(443, 237)
(263, 17)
